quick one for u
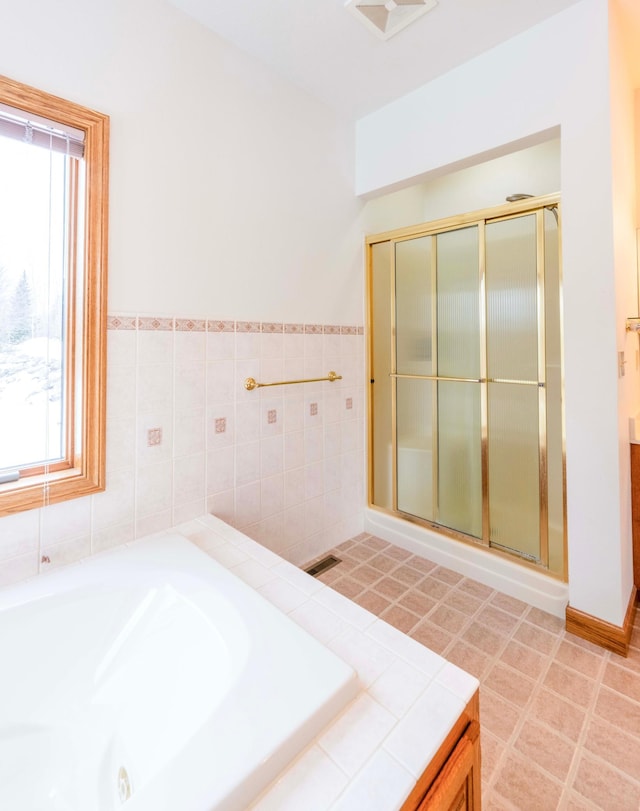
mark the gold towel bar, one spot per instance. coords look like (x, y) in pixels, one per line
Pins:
(250, 384)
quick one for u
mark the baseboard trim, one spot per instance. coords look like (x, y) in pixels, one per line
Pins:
(613, 637)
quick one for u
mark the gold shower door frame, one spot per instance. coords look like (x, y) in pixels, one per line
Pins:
(530, 206)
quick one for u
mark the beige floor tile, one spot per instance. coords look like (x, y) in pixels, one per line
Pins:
(579, 659)
(361, 537)
(347, 563)
(492, 749)
(361, 552)
(569, 684)
(431, 636)
(578, 803)
(535, 638)
(345, 545)
(365, 574)
(397, 553)
(330, 576)
(544, 620)
(435, 589)
(560, 715)
(376, 544)
(408, 575)
(475, 589)
(510, 684)
(618, 748)
(348, 586)
(484, 638)
(400, 618)
(526, 786)
(417, 602)
(492, 801)
(607, 788)
(372, 601)
(497, 716)
(448, 618)
(446, 575)
(546, 749)
(509, 604)
(390, 587)
(421, 564)
(462, 602)
(630, 662)
(497, 620)
(469, 658)
(619, 710)
(622, 680)
(383, 563)
(524, 659)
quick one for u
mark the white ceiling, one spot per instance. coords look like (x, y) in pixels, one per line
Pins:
(320, 46)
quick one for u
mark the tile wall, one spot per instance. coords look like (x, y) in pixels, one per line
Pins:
(184, 437)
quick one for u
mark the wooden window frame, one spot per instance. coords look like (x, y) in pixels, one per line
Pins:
(83, 470)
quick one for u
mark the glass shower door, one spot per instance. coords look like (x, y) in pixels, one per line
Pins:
(467, 427)
(516, 379)
(437, 396)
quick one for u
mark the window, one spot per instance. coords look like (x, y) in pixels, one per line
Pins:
(53, 272)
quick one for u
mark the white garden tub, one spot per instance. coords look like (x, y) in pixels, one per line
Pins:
(151, 678)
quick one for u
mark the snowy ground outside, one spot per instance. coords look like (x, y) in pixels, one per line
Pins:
(30, 402)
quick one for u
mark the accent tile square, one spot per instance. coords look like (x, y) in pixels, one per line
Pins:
(154, 437)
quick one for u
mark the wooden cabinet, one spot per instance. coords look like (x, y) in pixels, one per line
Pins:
(451, 782)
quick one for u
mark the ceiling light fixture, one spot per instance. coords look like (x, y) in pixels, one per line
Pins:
(386, 17)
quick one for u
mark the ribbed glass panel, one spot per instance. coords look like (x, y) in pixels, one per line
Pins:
(554, 395)
(512, 311)
(381, 368)
(416, 427)
(413, 306)
(459, 457)
(458, 304)
(513, 456)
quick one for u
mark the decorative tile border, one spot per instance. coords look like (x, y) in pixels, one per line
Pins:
(155, 324)
(272, 328)
(122, 322)
(221, 326)
(164, 323)
(248, 326)
(189, 325)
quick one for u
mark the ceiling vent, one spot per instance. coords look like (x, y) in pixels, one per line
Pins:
(386, 17)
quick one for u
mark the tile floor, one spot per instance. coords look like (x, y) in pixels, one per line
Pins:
(560, 717)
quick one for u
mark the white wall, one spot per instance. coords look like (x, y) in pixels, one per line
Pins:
(624, 204)
(222, 175)
(532, 170)
(231, 199)
(554, 76)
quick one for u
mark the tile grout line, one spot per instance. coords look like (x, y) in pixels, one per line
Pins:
(523, 711)
(579, 745)
(568, 793)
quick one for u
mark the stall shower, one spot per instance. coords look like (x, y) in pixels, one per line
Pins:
(466, 415)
